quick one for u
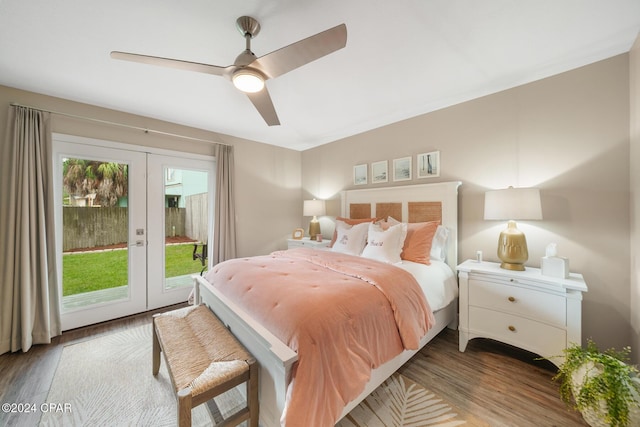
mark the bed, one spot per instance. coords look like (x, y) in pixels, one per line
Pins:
(278, 362)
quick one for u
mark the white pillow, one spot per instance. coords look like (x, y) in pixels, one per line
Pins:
(350, 238)
(439, 244)
(385, 245)
(391, 221)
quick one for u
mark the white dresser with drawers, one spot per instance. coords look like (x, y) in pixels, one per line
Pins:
(537, 313)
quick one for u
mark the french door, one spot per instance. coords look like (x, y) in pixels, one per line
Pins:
(131, 227)
(179, 207)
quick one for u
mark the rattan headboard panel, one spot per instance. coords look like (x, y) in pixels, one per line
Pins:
(359, 210)
(422, 202)
(425, 211)
(384, 210)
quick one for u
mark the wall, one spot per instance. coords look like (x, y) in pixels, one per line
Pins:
(634, 105)
(567, 134)
(267, 178)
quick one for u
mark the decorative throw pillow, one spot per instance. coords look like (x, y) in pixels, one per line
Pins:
(350, 238)
(347, 221)
(439, 244)
(385, 245)
(417, 244)
(390, 222)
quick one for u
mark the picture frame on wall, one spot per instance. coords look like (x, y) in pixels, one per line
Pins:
(428, 164)
(379, 172)
(402, 169)
(360, 174)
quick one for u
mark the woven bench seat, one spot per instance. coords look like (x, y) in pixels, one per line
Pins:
(204, 360)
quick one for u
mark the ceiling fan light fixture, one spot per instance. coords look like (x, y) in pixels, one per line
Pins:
(248, 81)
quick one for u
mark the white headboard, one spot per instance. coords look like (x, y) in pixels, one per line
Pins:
(444, 192)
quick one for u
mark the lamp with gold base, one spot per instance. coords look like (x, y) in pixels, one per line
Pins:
(511, 204)
(314, 208)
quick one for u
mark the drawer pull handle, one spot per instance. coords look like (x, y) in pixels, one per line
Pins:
(511, 299)
(512, 328)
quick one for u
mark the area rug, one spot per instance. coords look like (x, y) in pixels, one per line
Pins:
(401, 402)
(107, 381)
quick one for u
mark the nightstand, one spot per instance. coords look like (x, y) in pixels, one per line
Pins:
(523, 308)
(305, 242)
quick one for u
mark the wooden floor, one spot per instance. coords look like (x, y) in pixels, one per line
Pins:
(498, 384)
(26, 377)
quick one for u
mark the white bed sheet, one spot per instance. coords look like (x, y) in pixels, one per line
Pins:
(437, 281)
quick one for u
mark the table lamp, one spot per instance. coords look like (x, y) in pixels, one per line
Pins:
(313, 208)
(512, 204)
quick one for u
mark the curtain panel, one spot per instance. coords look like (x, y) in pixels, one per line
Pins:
(29, 295)
(224, 227)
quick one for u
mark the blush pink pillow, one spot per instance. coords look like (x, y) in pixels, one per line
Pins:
(417, 244)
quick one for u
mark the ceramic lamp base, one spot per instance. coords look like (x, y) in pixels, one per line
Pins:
(314, 229)
(512, 248)
(511, 266)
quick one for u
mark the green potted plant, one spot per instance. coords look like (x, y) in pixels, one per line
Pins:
(601, 385)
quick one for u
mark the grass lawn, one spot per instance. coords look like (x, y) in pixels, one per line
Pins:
(92, 271)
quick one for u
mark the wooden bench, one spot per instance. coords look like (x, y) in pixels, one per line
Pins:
(204, 360)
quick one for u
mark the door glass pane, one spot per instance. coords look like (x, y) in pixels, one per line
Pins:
(95, 223)
(186, 225)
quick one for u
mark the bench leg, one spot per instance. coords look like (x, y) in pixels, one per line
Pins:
(252, 394)
(184, 407)
(156, 350)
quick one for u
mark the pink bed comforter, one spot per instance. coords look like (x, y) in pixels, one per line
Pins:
(344, 315)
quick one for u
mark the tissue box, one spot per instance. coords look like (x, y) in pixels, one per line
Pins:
(555, 266)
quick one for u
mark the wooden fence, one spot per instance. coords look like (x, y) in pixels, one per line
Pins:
(90, 227)
(197, 208)
(174, 222)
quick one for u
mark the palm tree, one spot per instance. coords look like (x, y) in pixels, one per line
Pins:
(112, 182)
(108, 180)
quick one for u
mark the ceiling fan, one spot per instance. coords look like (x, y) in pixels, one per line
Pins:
(249, 73)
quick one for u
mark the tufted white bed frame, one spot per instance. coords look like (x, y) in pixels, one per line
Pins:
(276, 359)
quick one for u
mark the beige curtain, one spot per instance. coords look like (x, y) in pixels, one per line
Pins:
(29, 310)
(224, 227)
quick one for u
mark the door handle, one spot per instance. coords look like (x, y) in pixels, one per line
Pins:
(138, 243)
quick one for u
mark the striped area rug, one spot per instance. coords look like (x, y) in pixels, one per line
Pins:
(107, 381)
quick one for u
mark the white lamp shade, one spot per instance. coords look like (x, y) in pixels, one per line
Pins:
(313, 208)
(513, 203)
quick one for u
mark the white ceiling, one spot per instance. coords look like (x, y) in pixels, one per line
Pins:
(402, 59)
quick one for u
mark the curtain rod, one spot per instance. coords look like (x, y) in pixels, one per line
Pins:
(107, 122)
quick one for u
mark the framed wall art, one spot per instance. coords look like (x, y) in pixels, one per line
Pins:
(360, 174)
(402, 169)
(428, 164)
(379, 171)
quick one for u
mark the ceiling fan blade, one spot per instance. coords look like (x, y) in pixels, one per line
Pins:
(295, 55)
(262, 101)
(171, 63)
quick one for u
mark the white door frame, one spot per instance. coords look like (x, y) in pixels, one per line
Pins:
(136, 299)
(139, 289)
(158, 295)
